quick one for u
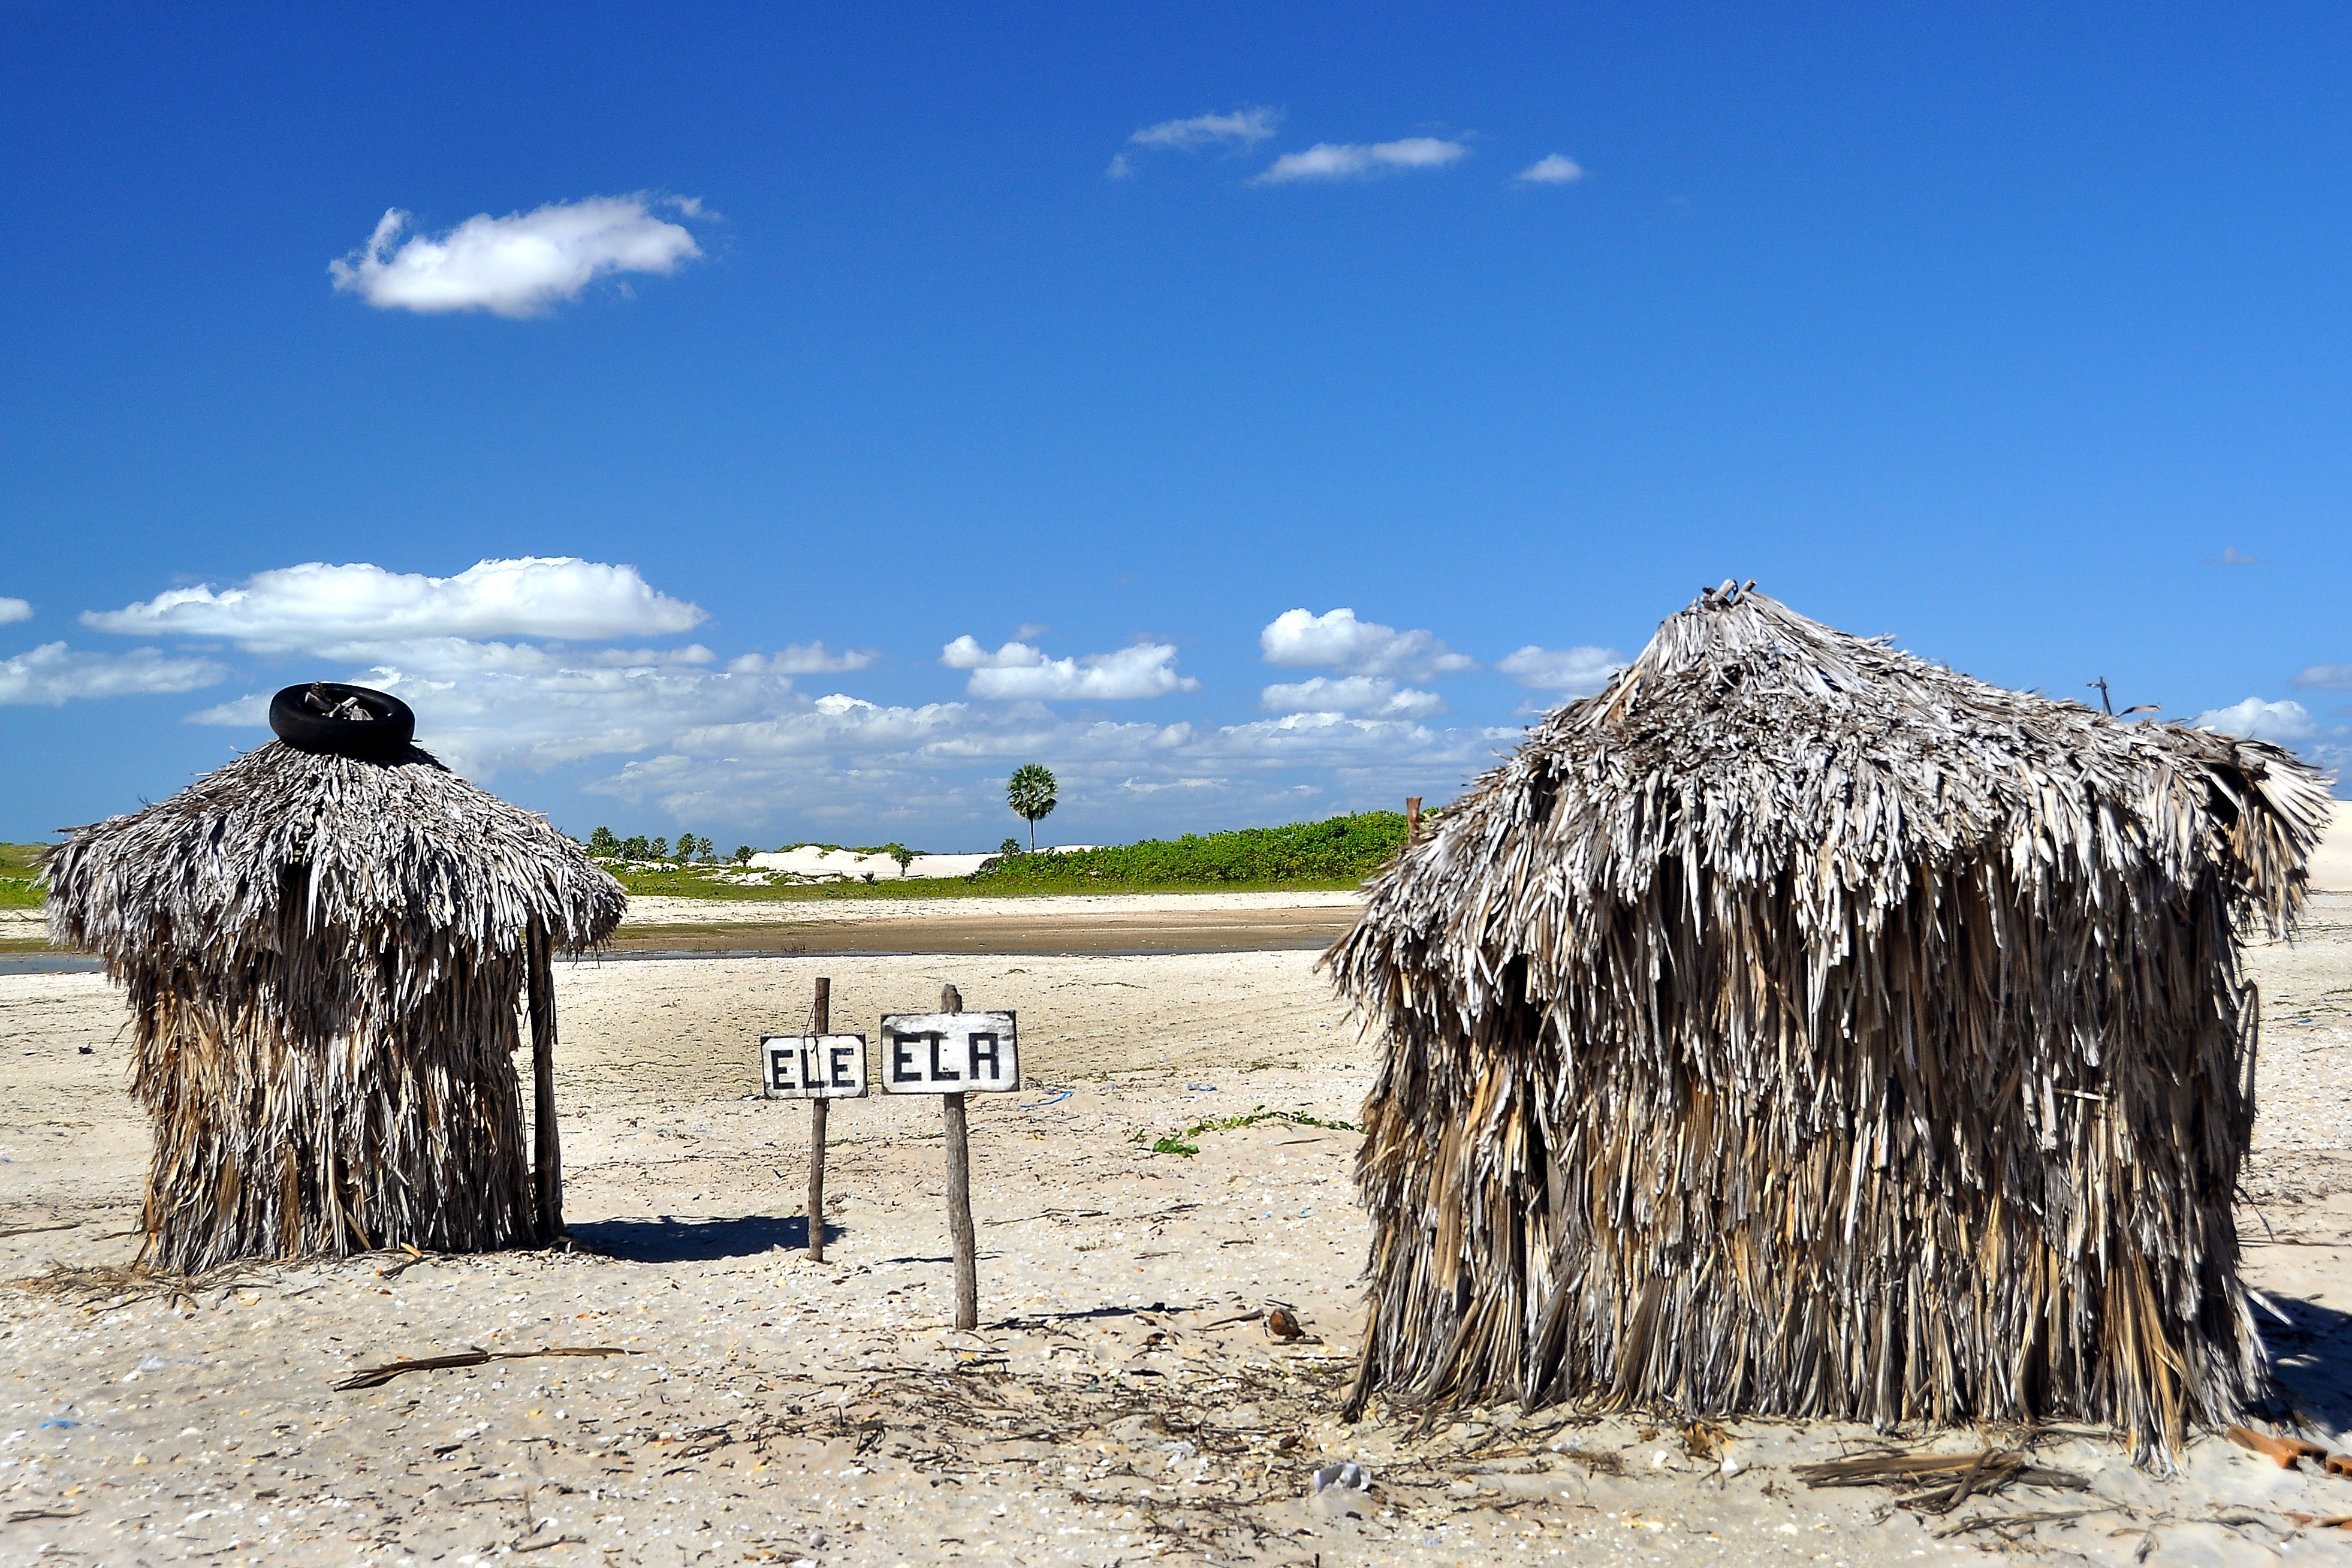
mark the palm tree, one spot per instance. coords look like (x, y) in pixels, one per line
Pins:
(1030, 793)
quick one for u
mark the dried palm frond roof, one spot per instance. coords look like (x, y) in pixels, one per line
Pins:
(395, 855)
(1754, 742)
(1797, 1026)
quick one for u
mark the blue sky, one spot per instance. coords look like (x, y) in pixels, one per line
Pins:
(1134, 347)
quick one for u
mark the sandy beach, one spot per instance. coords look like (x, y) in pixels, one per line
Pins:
(1122, 1401)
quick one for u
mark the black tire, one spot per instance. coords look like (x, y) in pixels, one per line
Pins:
(299, 715)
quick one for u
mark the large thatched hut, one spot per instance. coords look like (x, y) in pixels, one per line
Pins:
(1799, 1028)
(325, 955)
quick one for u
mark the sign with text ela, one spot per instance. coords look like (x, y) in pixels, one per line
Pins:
(812, 1067)
(949, 1053)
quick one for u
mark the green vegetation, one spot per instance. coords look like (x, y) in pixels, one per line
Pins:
(1181, 1142)
(1338, 852)
(20, 865)
(606, 845)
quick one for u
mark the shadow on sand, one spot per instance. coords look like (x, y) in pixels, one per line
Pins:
(2311, 1361)
(668, 1239)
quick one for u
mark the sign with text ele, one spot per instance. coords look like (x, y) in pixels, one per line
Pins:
(949, 1053)
(812, 1067)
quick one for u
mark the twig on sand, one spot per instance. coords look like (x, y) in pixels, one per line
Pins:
(1962, 1475)
(90, 1286)
(2004, 1520)
(377, 1376)
(34, 1229)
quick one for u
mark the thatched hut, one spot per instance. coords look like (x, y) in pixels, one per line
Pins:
(1799, 1028)
(325, 957)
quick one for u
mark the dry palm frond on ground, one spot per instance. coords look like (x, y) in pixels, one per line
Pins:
(324, 957)
(1798, 1027)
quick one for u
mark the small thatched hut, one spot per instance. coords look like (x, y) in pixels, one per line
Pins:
(1799, 1028)
(325, 955)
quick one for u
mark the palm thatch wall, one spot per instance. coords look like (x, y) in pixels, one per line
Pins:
(324, 957)
(1799, 1028)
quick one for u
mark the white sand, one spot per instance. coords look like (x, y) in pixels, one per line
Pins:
(782, 1412)
(807, 860)
(2331, 864)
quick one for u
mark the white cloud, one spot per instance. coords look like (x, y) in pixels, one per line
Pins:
(2286, 724)
(1335, 639)
(1121, 169)
(322, 608)
(517, 265)
(965, 653)
(1021, 671)
(1555, 170)
(508, 666)
(54, 674)
(1243, 127)
(838, 757)
(1572, 672)
(2230, 556)
(842, 756)
(457, 658)
(692, 653)
(14, 610)
(1148, 787)
(806, 658)
(1356, 160)
(2326, 676)
(1370, 694)
(484, 706)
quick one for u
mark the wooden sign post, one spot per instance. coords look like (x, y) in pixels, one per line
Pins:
(819, 1066)
(963, 1239)
(952, 1053)
(820, 1024)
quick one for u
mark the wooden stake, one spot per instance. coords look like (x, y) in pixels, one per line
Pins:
(548, 1182)
(959, 1232)
(1412, 818)
(820, 1023)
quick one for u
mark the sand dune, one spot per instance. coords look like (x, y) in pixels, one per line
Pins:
(2331, 867)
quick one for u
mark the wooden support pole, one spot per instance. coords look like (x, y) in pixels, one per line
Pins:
(959, 1232)
(1412, 818)
(547, 1151)
(820, 1023)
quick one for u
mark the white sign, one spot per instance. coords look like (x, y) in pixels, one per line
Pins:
(812, 1067)
(949, 1053)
